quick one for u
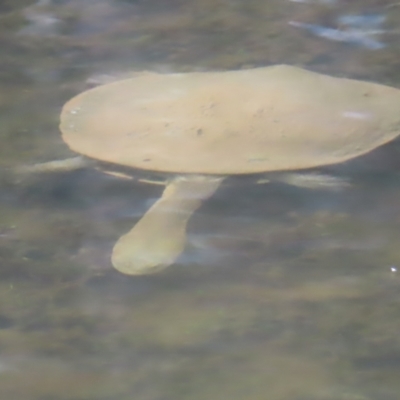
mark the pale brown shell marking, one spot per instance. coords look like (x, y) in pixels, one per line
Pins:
(234, 122)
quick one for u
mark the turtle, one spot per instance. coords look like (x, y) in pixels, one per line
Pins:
(200, 127)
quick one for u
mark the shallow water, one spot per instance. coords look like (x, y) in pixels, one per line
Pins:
(282, 293)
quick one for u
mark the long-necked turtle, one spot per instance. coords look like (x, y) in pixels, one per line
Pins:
(202, 127)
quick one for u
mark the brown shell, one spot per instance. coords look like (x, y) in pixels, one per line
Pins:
(235, 122)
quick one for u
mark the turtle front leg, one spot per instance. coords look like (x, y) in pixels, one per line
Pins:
(20, 174)
(159, 237)
(310, 180)
(68, 164)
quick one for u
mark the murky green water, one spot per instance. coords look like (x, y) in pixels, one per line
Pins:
(282, 293)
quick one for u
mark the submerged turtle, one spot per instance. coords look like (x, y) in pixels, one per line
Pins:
(202, 127)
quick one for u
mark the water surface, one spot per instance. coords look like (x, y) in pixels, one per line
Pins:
(282, 293)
